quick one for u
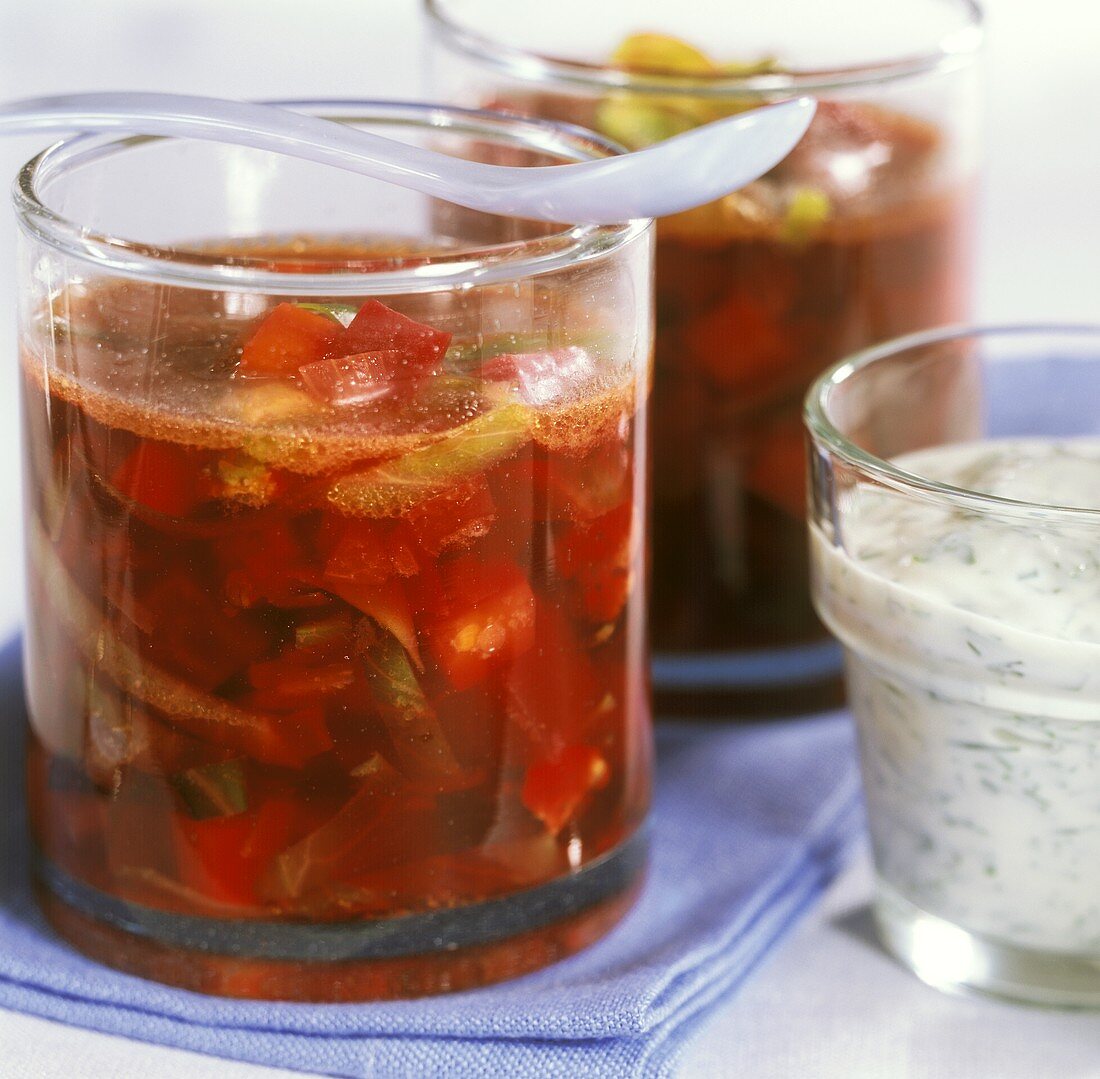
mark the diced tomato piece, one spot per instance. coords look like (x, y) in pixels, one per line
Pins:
(353, 380)
(387, 602)
(489, 619)
(456, 517)
(221, 858)
(163, 477)
(555, 787)
(368, 552)
(542, 377)
(378, 328)
(289, 337)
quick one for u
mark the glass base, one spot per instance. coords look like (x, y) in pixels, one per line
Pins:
(957, 960)
(750, 684)
(378, 959)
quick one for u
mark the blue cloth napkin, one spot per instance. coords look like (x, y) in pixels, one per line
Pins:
(749, 825)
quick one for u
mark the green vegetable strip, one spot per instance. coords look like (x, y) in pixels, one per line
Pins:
(397, 485)
(418, 740)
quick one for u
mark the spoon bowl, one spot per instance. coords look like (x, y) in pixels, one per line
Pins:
(678, 174)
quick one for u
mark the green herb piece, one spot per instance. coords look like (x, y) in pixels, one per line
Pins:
(213, 790)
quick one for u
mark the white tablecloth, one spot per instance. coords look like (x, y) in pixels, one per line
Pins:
(827, 1003)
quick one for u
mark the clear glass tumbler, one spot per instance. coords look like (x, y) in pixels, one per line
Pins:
(861, 234)
(955, 537)
(335, 650)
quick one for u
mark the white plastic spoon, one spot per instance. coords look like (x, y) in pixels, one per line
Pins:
(682, 172)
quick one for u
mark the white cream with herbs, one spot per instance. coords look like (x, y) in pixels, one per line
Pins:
(973, 645)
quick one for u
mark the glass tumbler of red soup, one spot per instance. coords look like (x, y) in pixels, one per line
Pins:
(335, 500)
(863, 232)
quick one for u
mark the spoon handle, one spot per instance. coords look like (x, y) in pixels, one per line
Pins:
(243, 123)
(677, 174)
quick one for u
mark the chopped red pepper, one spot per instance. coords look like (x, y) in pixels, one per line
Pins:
(542, 378)
(352, 380)
(490, 619)
(288, 337)
(418, 348)
(556, 786)
(163, 477)
(588, 487)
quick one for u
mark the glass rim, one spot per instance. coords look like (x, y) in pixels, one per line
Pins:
(954, 50)
(476, 264)
(825, 433)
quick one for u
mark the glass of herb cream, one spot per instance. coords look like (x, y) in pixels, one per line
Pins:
(955, 532)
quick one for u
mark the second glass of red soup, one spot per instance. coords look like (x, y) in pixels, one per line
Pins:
(335, 496)
(862, 233)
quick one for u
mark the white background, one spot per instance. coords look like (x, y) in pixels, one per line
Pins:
(827, 1003)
